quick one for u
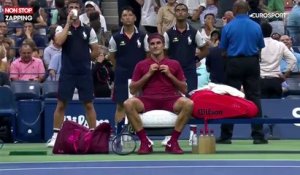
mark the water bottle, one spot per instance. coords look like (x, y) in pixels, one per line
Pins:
(195, 144)
(193, 130)
(204, 143)
(212, 142)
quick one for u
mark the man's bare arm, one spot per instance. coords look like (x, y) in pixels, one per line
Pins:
(61, 37)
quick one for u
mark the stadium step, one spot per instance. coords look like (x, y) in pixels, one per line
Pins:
(110, 12)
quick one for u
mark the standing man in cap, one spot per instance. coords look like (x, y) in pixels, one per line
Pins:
(160, 83)
(76, 41)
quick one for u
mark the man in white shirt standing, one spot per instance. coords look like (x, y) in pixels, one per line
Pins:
(271, 55)
(149, 14)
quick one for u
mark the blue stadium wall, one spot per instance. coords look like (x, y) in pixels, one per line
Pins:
(35, 119)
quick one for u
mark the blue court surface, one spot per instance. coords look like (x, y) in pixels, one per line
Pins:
(215, 167)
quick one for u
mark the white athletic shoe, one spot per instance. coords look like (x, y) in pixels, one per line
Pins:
(165, 141)
(51, 142)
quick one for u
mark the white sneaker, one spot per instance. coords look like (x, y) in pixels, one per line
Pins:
(51, 142)
(165, 141)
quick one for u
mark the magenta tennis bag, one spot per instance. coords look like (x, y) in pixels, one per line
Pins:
(74, 138)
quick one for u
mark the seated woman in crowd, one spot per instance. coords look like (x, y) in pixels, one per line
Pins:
(7, 42)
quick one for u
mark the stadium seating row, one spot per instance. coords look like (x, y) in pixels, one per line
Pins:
(34, 90)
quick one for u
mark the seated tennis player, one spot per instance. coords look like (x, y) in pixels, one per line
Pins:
(158, 83)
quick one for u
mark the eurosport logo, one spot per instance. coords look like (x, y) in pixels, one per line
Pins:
(268, 15)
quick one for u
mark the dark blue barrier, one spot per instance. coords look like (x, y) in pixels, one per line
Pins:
(29, 121)
(283, 108)
(105, 109)
(275, 113)
(273, 108)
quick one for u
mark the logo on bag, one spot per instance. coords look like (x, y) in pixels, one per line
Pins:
(80, 119)
(210, 112)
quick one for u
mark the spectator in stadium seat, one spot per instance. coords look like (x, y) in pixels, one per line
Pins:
(223, 6)
(158, 83)
(283, 64)
(61, 17)
(208, 28)
(8, 42)
(293, 23)
(242, 39)
(40, 17)
(228, 16)
(126, 48)
(96, 25)
(209, 7)
(52, 49)
(76, 40)
(10, 51)
(35, 51)
(271, 55)
(30, 33)
(14, 26)
(215, 37)
(27, 67)
(89, 7)
(54, 67)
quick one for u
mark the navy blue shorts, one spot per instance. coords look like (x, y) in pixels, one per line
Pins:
(68, 83)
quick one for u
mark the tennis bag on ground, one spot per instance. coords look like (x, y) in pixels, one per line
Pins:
(210, 105)
(74, 138)
(100, 139)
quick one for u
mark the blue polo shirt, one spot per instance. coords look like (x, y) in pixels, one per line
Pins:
(242, 37)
